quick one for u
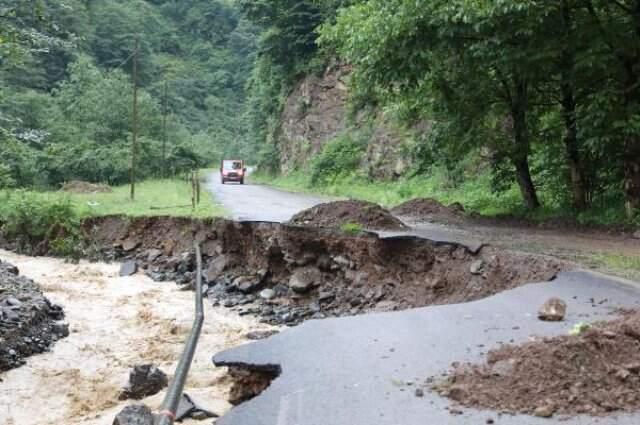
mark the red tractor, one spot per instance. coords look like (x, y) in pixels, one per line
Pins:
(232, 170)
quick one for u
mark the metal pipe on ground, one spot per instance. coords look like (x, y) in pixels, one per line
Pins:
(171, 401)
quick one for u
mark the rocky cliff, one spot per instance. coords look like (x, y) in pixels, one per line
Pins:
(316, 112)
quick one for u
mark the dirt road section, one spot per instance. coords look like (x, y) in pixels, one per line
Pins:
(115, 323)
(252, 202)
(367, 368)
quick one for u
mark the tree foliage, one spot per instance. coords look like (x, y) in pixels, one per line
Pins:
(530, 81)
(66, 87)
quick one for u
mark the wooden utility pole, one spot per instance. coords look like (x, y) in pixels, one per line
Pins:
(134, 124)
(164, 128)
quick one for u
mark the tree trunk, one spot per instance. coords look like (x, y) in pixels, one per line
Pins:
(525, 182)
(568, 104)
(520, 155)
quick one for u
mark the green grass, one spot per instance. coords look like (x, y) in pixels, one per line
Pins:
(153, 198)
(474, 194)
(623, 265)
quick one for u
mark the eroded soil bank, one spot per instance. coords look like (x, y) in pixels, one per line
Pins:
(287, 274)
(115, 323)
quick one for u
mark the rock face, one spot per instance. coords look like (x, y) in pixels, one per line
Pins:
(315, 113)
(554, 310)
(144, 380)
(134, 415)
(303, 280)
(29, 323)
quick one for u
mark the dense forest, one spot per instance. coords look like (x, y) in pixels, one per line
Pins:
(542, 96)
(66, 87)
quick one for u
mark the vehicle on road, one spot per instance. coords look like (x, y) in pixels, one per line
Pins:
(232, 170)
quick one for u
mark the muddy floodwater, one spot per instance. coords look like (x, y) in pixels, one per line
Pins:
(115, 323)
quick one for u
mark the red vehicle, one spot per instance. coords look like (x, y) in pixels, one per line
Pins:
(232, 170)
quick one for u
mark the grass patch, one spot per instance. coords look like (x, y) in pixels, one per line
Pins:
(153, 197)
(352, 228)
(617, 262)
(474, 193)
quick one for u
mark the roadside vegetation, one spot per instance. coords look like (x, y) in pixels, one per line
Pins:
(531, 108)
(155, 197)
(50, 221)
(474, 193)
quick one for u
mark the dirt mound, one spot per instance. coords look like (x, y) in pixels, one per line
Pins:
(29, 323)
(424, 208)
(595, 372)
(340, 213)
(77, 186)
(288, 274)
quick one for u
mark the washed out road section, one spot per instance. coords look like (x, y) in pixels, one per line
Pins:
(365, 369)
(115, 323)
(251, 202)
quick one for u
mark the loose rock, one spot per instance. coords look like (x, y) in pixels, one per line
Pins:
(218, 266)
(128, 268)
(268, 294)
(144, 380)
(554, 310)
(134, 415)
(304, 279)
(476, 267)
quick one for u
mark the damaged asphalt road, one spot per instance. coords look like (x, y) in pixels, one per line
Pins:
(366, 369)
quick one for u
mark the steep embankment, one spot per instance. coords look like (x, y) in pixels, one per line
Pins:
(316, 112)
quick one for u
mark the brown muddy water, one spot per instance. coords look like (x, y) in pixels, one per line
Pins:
(115, 323)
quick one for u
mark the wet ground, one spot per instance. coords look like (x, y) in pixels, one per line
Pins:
(366, 369)
(115, 323)
(259, 203)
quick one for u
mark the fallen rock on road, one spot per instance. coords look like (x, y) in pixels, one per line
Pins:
(554, 310)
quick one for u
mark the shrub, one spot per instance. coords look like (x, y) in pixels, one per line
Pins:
(340, 157)
(41, 226)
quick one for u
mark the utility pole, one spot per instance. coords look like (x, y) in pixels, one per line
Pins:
(164, 128)
(134, 144)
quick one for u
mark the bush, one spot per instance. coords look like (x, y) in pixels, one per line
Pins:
(41, 226)
(339, 158)
(6, 179)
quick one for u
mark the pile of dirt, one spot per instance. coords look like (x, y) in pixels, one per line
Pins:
(29, 323)
(427, 208)
(288, 274)
(76, 186)
(340, 213)
(593, 373)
